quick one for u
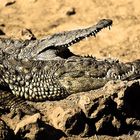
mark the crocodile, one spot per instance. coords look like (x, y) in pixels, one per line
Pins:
(58, 76)
(40, 70)
(56, 79)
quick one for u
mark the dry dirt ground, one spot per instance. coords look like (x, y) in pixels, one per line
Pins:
(45, 17)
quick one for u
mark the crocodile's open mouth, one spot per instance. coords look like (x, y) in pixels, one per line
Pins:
(91, 31)
(63, 40)
(88, 32)
(112, 74)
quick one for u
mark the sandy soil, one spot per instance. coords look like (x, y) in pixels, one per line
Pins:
(50, 16)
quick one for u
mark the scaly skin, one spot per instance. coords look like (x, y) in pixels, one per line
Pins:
(56, 79)
(16, 105)
(52, 46)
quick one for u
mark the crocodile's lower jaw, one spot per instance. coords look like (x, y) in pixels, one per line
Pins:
(81, 84)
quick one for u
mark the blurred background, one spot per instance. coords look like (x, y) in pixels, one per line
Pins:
(45, 17)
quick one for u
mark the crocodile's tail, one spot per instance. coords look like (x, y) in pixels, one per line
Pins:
(5, 132)
(16, 105)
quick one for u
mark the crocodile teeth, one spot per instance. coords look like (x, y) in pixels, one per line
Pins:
(94, 33)
(101, 78)
(123, 76)
(86, 38)
(96, 30)
(78, 38)
(115, 76)
(128, 74)
(66, 45)
(119, 77)
(133, 68)
(104, 78)
(109, 27)
(74, 41)
(132, 71)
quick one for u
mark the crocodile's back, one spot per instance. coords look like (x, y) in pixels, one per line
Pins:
(32, 80)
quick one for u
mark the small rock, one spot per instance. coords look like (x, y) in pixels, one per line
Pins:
(71, 12)
(68, 120)
(85, 104)
(133, 122)
(30, 120)
(103, 124)
(33, 0)
(2, 25)
(26, 34)
(9, 2)
(1, 32)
